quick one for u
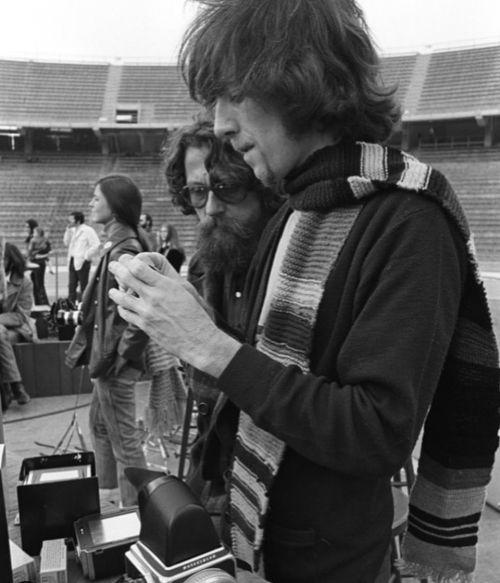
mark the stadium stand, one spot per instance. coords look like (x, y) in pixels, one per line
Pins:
(462, 81)
(476, 179)
(62, 93)
(159, 91)
(62, 125)
(397, 70)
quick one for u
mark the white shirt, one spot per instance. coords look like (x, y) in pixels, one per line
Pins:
(83, 243)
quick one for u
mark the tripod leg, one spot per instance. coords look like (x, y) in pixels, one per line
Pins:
(70, 426)
(80, 437)
(185, 434)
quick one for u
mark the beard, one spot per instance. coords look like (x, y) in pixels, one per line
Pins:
(228, 245)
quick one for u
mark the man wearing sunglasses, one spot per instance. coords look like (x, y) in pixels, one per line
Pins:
(207, 177)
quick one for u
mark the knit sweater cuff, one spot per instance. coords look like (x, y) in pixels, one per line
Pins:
(248, 377)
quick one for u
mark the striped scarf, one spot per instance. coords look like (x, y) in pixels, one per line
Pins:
(461, 430)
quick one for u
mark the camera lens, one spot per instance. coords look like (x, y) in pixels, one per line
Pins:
(211, 576)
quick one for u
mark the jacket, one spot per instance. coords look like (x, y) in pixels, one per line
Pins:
(334, 480)
(103, 334)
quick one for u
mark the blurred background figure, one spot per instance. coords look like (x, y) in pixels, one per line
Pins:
(82, 242)
(15, 324)
(170, 246)
(30, 228)
(38, 253)
(146, 223)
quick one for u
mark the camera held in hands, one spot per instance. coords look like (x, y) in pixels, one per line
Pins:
(177, 542)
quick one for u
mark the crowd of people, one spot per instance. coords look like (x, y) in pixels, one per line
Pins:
(333, 309)
(28, 267)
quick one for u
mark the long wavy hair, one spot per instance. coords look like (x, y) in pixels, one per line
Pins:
(125, 200)
(314, 60)
(172, 239)
(200, 134)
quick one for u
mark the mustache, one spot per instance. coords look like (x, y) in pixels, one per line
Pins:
(226, 225)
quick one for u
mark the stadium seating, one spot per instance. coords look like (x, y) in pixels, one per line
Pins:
(159, 91)
(435, 88)
(58, 92)
(462, 81)
(397, 71)
(475, 177)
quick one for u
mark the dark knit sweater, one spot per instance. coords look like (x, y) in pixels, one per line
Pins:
(383, 330)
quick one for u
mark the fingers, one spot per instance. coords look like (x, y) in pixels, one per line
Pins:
(158, 262)
(124, 300)
(132, 273)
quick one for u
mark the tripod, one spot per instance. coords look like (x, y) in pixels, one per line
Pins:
(64, 443)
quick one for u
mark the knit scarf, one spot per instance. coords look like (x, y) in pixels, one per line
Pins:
(461, 430)
(167, 395)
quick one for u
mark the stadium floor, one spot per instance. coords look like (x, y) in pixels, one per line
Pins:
(36, 428)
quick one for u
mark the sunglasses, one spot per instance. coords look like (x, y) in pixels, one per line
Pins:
(197, 196)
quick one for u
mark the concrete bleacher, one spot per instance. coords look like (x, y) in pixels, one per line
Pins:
(431, 85)
(459, 81)
(160, 92)
(397, 71)
(466, 80)
(66, 92)
(475, 176)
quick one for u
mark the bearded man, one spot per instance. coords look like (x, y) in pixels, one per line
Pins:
(207, 177)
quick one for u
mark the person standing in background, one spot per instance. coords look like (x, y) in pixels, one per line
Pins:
(146, 223)
(112, 349)
(82, 242)
(170, 246)
(30, 228)
(38, 252)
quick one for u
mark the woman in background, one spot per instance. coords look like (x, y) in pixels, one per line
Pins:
(30, 228)
(38, 253)
(112, 348)
(170, 246)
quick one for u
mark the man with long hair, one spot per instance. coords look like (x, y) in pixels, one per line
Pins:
(207, 177)
(366, 313)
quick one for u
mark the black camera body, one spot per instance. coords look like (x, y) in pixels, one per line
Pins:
(177, 542)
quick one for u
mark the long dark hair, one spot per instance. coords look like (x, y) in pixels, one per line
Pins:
(172, 238)
(313, 60)
(200, 134)
(15, 264)
(125, 200)
(32, 224)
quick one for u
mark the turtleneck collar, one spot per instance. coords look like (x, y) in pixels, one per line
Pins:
(320, 183)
